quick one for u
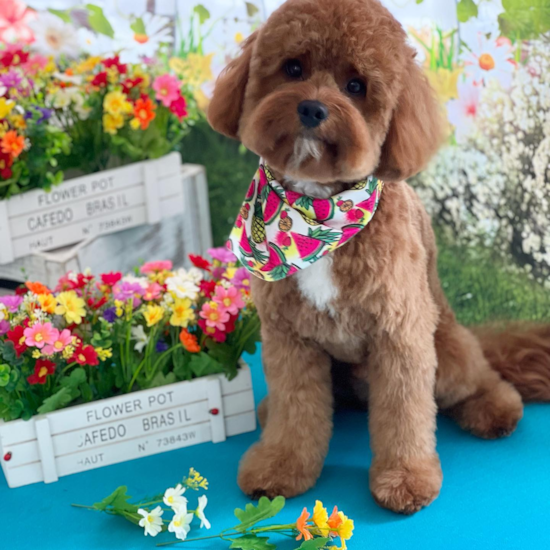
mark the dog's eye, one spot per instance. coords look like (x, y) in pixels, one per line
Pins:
(293, 68)
(356, 86)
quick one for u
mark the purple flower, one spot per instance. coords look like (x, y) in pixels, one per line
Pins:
(223, 255)
(12, 303)
(241, 279)
(11, 79)
(4, 327)
(110, 314)
(44, 112)
(161, 346)
(125, 290)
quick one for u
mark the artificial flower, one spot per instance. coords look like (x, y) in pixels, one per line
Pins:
(71, 306)
(200, 262)
(12, 303)
(126, 290)
(320, 517)
(152, 292)
(151, 521)
(301, 526)
(85, 355)
(241, 279)
(37, 288)
(12, 143)
(144, 112)
(182, 288)
(229, 299)
(178, 107)
(153, 315)
(207, 288)
(40, 335)
(214, 315)
(42, 369)
(110, 314)
(156, 267)
(167, 88)
(181, 523)
(104, 354)
(59, 342)
(182, 312)
(116, 103)
(3, 312)
(215, 333)
(189, 341)
(17, 337)
(112, 123)
(100, 80)
(4, 327)
(138, 334)
(115, 63)
(54, 36)
(6, 107)
(223, 255)
(48, 303)
(203, 501)
(6, 162)
(174, 498)
(111, 279)
(345, 529)
(15, 18)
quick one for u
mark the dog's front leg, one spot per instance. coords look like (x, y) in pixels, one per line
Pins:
(289, 458)
(405, 474)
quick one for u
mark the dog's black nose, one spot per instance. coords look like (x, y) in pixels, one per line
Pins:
(312, 113)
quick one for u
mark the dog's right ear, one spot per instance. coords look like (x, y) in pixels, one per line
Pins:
(224, 111)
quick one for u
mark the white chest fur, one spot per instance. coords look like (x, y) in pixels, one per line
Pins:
(317, 285)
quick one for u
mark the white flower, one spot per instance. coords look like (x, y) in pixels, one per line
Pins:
(182, 288)
(174, 498)
(203, 501)
(151, 521)
(142, 281)
(463, 111)
(138, 334)
(181, 522)
(53, 36)
(95, 44)
(134, 46)
(3, 312)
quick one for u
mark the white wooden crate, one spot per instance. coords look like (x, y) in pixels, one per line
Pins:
(123, 428)
(172, 238)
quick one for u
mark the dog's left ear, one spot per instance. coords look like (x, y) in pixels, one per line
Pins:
(224, 111)
(416, 129)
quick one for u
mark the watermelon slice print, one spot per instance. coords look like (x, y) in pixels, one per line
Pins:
(292, 197)
(308, 247)
(348, 232)
(250, 193)
(276, 259)
(263, 181)
(369, 204)
(245, 245)
(273, 205)
(324, 209)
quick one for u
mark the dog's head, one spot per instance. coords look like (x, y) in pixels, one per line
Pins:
(329, 90)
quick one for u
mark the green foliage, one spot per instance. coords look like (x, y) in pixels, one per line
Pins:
(202, 364)
(252, 542)
(465, 10)
(314, 544)
(4, 375)
(116, 501)
(251, 9)
(524, 19)
(64, 15)
(202, 12)
(252, 514)
(98, 22)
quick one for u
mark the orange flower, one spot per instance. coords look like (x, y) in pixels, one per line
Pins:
(334, 521)
(37, 288)
(144, 111)
(301, 525)
(189, 341)
(12, 144)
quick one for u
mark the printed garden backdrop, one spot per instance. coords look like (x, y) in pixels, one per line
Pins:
(489, 62)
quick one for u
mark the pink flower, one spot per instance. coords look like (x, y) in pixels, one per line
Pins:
(152, 292)
(14, 22)
(35, 63)
(40, 334)
(156, 267)
(214, 315)
(179, 108)
(222, 255)
(462, 112)
(241, 279)
(60, 341)
(167, 88)
(229, 299)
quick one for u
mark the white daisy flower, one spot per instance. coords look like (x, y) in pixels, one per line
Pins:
(203, 501)
(182, 288)
(138, 334)
(173, 497)
(151, 521)
(95, 44)
(53, 36)
(181, 523)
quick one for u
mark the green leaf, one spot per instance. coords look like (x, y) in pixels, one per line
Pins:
(4, 375)
(252, 542)
(524, 19)
(465, 10)
(138, 26)
(77, 377)
(251, 9)
(161, 379)
(202, 364)
(419, 1)
(64, 15)
(202, 12)
(58, 400)
(254, 514)
(98, 22)
(314, 544)
(116, 501)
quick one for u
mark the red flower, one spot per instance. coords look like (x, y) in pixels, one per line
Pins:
(17, 338)
(207, 288)
(6, 162)
(68, 283)
(96, 304)
(130, 83)
(85, 355)
(200, 262)
(115, 62)
(42, 369)
(12, 57)
(212, 332)
(111, 279)
(179, 107)
(21, 290)
(100, 79)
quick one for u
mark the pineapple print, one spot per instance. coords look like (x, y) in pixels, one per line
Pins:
(345, 206)
(285, 223)
(360, 185)
(308, 220)
(244, 211)
(258, 226)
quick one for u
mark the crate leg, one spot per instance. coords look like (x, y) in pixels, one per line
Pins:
(45, 449)
(215, 407)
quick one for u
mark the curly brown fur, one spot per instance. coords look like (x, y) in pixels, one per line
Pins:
(388, 318)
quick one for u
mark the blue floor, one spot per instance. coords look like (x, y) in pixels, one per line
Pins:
(495, 494)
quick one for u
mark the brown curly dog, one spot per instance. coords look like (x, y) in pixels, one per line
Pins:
(376, 303)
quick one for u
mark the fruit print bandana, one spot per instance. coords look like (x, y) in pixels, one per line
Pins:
(279, 232)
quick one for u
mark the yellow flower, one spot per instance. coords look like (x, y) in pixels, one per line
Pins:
(195, 70)
(48, 303)
(239, 37)
(18, 121)
(139, 72)
(111, 123)
(135, 124)
(119, 311)
(196, 481)
(153, 315)
(6, 106)
(68, 352)
(88, 65)
(104, 354)
(71, 306)
(320, 517)
(116, 103)
(182, 314)
(345, 530)
(36, 354)
(230, 272)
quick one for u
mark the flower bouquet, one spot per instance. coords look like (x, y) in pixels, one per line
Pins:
(92, 337)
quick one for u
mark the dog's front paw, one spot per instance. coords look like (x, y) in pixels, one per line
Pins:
(272, 471)
(406, 486)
